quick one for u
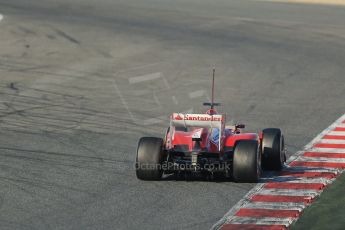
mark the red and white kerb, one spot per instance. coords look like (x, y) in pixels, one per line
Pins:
(279, 201)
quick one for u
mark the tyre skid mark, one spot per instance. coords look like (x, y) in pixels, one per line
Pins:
(49, 111)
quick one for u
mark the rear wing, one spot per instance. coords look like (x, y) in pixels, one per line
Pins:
(198, 120)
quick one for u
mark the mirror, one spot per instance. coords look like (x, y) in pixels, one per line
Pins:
(240, 126)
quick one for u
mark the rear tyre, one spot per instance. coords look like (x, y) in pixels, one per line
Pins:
(247, 162)
(273, 154)
(149, 158)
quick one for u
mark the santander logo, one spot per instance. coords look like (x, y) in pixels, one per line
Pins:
(192, 117)
(178, 117)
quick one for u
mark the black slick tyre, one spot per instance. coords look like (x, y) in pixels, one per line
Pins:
(149, 158)
(246, 161)
(273, 154)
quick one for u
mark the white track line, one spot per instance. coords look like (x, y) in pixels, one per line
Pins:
(273, 205)
(262, 221)
(143, 78)
(336, 133)
(332, 141)
(327, 150)
(231, 218)
(321, 159)
(310, 169)
(288, 192)
(196, 94)
(324, 181)
(1, 17)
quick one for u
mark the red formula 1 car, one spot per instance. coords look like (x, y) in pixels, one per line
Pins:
(203, 143)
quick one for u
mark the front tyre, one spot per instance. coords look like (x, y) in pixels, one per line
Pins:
(273, 154)
(149, 158)
(246, 162)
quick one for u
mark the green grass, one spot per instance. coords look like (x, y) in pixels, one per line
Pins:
(328, 211)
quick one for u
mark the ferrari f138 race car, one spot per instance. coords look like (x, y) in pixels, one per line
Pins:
(203, 143)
